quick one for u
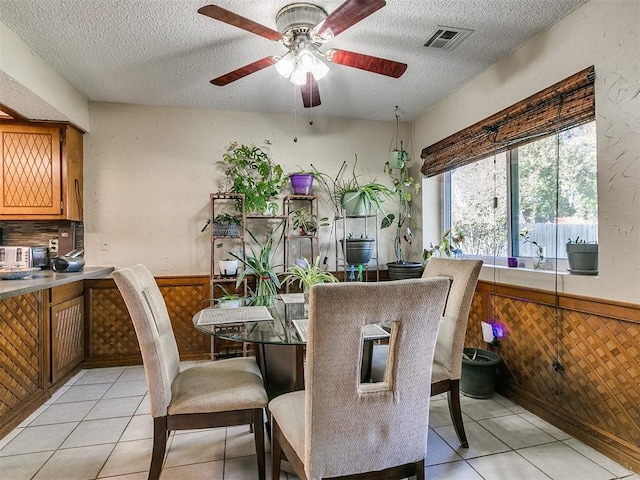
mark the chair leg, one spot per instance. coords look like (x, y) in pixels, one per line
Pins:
(160, 435)
(276, 451)
(455, 410)
(420, 470)
(258, 435)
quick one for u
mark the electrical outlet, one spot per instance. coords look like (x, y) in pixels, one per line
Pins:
(53, 245)
(105, 244)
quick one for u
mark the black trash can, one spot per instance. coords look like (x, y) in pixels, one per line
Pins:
(479, 371)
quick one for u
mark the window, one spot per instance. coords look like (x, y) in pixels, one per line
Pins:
(522, 184)
(473, 189)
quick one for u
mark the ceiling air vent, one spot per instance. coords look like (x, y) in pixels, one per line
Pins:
(447, 38)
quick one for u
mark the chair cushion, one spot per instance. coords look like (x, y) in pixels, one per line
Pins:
(439, 373)
(223, 385)
(288, 411)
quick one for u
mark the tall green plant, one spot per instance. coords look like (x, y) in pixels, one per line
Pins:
(255, 175)
(403, 187)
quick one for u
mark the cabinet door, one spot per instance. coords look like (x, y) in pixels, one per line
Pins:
(67, 339)
(22, 355)
(30, 180)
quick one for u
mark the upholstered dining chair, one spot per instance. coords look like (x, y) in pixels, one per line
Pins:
(222, 393)
(339, 427)
(447, 364)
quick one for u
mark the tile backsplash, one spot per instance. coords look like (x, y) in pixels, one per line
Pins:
(38, 233)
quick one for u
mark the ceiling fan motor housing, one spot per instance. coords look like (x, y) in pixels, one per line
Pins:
(299, 19)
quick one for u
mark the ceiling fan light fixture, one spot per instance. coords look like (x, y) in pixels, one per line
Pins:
(286, 64)
(299, 75)
(318, 68)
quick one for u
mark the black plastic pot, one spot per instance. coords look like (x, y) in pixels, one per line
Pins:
(359, 250)
(479, 373)
(400, 271)
(583, 258)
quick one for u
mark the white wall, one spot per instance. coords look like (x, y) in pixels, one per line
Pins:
(149, 172)
(32, 88)
(601, 33)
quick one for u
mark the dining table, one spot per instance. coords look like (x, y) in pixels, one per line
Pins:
(276, 327)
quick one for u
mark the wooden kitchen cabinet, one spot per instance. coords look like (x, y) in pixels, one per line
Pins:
(23, 357)
(40, 172)
(67, 329)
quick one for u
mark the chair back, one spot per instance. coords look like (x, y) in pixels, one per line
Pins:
(155, 335)
(352, 427)
(453, 327)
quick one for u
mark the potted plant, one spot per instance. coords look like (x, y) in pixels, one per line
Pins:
(450, 245)
(403, 187)
(226, 225)
(255, 175)
(228, 267)
(227, 299)
(261, 265)
(308, 275)
(301, 182)
(358, 251)
(582, 256)
(359, 199)
(307, 223)
(538, 250)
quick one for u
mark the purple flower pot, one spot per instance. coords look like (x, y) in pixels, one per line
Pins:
(301, 183)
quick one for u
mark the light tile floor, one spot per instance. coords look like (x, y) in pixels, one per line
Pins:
(98, 426)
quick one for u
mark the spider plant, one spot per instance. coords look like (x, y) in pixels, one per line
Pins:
(308, 275)
(365, 197)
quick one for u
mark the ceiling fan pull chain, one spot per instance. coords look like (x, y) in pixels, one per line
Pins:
(311, 109)
(295, 116)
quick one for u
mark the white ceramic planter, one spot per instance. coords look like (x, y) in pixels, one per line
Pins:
(228, 268)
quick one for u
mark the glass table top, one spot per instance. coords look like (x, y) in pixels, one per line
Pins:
(251, 323)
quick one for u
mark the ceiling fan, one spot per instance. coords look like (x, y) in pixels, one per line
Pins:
(303, 28)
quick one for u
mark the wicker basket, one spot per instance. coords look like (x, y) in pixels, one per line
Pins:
(225, 229)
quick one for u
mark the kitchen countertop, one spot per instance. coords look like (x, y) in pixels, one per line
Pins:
(44, 279)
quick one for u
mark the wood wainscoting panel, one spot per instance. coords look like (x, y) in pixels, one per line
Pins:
(593, 391)
(110, 336)
(601, 374)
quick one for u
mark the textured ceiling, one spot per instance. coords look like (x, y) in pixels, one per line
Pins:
(162, 52)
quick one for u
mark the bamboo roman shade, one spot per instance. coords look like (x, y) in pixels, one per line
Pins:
(566, 104)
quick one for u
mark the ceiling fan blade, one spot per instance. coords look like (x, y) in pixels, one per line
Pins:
(346, 15)
(310, 92)
(236, 20)
(242, 72)
(378, 65)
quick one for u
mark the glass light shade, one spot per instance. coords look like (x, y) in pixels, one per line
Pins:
(311, 63)
(299, 75)
(286, 64)
(318, 68)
